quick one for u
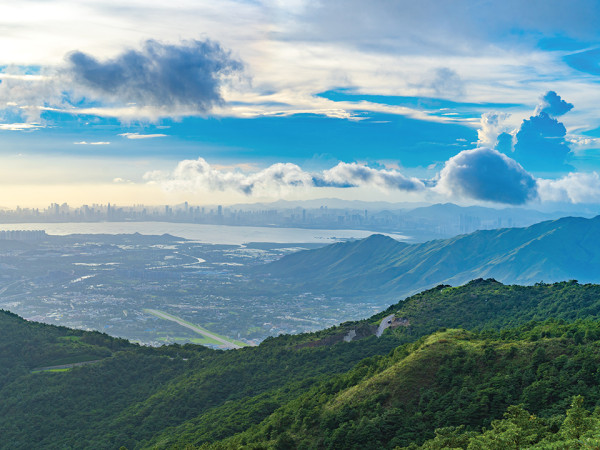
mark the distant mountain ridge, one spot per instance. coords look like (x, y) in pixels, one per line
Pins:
(555, 250)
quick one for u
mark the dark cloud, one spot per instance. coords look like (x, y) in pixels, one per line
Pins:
(488, 175)
(553, 105)
(446, 82)
(188, 75)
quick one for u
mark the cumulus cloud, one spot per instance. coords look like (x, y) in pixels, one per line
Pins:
(481, 174)
(540, 144)
(488, 175)
(491, 125)
(572, 188)
(199, 175)
(187, 75)
(553, 105)
(353, 175)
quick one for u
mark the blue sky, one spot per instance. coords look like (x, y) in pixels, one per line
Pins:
(129, 102)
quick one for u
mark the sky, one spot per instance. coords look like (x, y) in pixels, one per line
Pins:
(151, 102)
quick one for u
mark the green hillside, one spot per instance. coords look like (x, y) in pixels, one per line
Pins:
(25, 346)
(450, 378)
(550, 251)
(535, 345)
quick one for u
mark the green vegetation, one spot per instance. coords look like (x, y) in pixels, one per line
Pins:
(379, 266)
(449, 379)
(206, 334)
(50, 370)
(480, 366)
(520, 429)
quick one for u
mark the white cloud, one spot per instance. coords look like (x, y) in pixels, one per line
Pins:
(141, 136)
(582, 142)
(120, 180)
(25, 95)
(353, 175)
(19, 126)
(490, 126)
(198, 175)
(91, 143)
(575, 187)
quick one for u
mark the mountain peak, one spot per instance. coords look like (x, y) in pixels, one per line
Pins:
(380, 238)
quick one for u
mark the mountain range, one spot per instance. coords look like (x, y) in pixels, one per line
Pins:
(549, 251)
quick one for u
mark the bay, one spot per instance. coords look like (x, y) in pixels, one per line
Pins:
(210, 234)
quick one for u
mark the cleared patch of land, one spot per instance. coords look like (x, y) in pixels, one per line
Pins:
(219, 340)
(63, 367)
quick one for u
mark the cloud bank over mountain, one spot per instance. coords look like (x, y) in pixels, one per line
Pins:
(195, 175)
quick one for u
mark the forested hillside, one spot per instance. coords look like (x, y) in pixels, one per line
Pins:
(451, 357)
(378, 266)
(448, 379)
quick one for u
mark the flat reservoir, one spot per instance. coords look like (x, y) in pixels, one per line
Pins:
(210, 234)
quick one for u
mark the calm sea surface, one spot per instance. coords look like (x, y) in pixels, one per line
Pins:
(211, 234)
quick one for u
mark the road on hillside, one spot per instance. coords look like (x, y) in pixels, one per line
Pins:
(198, 330)
(385, 322)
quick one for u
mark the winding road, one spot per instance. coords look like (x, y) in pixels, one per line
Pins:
(385, 323)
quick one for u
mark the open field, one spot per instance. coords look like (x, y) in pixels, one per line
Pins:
(221, 341)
